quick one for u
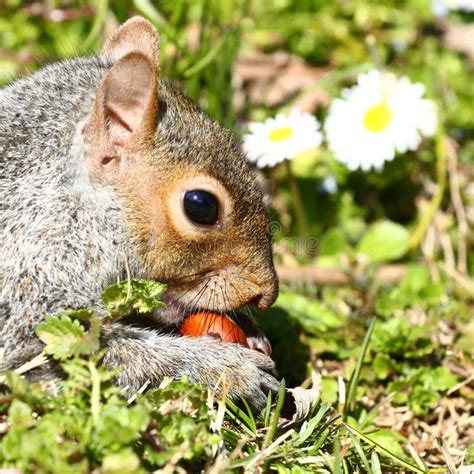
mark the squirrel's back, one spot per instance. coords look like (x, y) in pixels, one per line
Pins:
(39, 114)
(46, 201)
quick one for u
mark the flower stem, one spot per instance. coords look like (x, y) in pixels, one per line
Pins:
(441, 171)
(297, 203)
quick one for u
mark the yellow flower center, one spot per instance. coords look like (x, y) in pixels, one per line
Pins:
(280, 134)
(378, 117)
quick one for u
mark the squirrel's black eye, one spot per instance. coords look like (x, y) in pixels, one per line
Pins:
(201, 207)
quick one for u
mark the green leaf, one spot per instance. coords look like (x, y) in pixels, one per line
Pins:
(123, 462)
(420, 399)
(375, 463)
(312, 424)
(439, 379)
(384, 241)
(65, 336)
(308, 164)
(90, 342)
(277, 412)
(240, 417)
(20, 415)
(329, 390)
(397, 337)
(382, 366)
(147, 8)
(140, 295)
(313, 315)
(333, 242)
(120, 426)
(60, 334)
(360, 453)
(390, 440)
(16, 383)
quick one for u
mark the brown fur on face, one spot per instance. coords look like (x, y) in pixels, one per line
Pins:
(218, 269)
(150, 142)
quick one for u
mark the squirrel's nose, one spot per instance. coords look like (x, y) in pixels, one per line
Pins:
(267, 297)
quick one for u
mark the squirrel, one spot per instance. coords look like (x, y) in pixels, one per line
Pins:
(106, 168)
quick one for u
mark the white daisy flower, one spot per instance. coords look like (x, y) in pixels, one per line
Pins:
(377, 117)
(281, 138)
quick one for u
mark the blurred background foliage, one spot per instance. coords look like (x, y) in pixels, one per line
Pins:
(245, 60)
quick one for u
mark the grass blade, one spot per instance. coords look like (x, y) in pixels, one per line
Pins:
(312, 424)
(446, 455)
(99, 20)
(204, 61)
(250, 418)
(239, 417)
(383, 450)
(354, 380)
(323, 433)
(277, 412)
(375, 461)
(360, 453)
(146, 8)
(268, 410)
(245, 461)
(337, 457)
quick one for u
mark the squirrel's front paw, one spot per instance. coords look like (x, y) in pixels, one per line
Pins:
(255, 381)
(238, 371)
(229, 368)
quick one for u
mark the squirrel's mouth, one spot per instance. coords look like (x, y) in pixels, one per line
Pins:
(173, 313)
(178, 319)
(180, 304)
(221, 290)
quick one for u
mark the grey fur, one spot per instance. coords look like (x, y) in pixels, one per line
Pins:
(63, 237)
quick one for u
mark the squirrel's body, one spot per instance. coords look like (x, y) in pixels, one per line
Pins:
(46, 202)
(94, 165)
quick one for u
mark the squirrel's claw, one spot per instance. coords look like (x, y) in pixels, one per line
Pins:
(259, 342)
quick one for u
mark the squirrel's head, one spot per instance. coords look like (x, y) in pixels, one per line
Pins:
(194, 208)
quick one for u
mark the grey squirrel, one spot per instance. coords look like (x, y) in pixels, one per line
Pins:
(102, 163)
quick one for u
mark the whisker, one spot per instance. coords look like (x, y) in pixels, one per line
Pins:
(246, 308)
(194, 302)
(203, 272)
(248, 281)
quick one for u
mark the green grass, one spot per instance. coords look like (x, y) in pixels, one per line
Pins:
(89, 423)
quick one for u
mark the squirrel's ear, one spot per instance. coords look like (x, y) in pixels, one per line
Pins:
(125, 108)
(135, 35)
